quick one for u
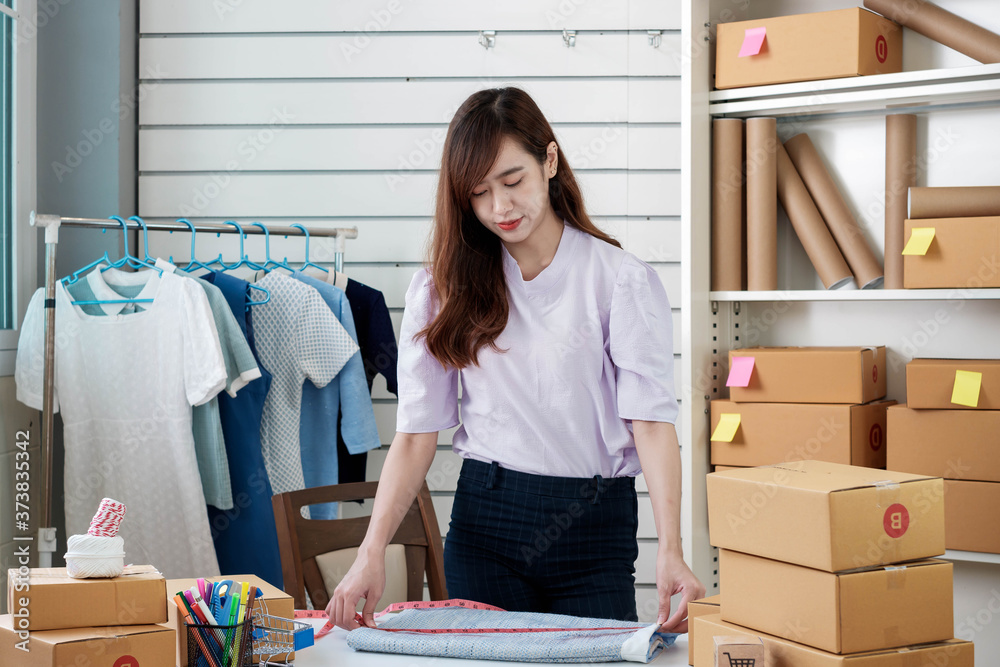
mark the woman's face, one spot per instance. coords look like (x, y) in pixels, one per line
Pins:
(513, 199)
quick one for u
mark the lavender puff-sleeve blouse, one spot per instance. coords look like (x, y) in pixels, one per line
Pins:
(589, 348)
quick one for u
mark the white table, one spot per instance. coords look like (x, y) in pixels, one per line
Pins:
(333, 650)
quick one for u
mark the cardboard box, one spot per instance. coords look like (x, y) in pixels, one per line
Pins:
(812, 375)
(972, 516)
(725, 468)
(696, 608)
(135, 645)
(955, 444)
(776, 432)
(807, 47)
(278, 603)
(929, 383)
(825, 515)
(964, 254)
(784, 653)
(738, 651)
(55, 600)
(850, 612)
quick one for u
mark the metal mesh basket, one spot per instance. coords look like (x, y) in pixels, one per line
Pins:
(275, 637)
(219, 645)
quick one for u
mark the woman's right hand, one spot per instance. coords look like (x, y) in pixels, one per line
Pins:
(365, 579)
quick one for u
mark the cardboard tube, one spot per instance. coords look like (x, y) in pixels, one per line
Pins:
(727, 204)
(846, 232)
(942, 26)
(809, 226)
(960, 202)
(900, 176)
(762, 204)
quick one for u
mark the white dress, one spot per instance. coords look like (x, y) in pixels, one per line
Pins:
(125, 384)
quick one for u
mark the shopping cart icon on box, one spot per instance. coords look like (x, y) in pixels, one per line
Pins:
(739, 662)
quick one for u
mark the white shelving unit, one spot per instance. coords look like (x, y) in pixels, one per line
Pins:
(858, 295)
(844, 117)
(896, 93)
(972, 556)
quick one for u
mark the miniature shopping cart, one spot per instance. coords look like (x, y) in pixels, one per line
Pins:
(739, 662)
(275, 637)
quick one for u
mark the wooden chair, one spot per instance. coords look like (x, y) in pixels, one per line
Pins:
(300, 540)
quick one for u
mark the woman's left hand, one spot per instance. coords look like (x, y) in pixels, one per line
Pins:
(674, 576)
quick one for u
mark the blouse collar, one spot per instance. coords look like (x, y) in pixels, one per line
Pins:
(551, 274)
(99, 285)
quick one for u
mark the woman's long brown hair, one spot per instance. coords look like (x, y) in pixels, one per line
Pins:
(465, 257)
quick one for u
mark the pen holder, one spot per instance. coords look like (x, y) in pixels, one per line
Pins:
(220, 645)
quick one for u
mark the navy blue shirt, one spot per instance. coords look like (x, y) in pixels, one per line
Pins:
(377, 341)
(246, 540)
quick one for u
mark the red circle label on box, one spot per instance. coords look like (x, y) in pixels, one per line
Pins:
(126, 661)
(896, 520)
(874, 373)
(881, 49)
(875, 437)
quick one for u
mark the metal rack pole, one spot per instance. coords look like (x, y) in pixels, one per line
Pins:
(216, 227)
(51, 224)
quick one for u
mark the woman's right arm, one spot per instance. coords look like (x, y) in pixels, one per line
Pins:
(403, 473)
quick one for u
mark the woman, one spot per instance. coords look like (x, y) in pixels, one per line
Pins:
(562, 342)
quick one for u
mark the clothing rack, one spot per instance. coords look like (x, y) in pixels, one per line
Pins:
(51, 223)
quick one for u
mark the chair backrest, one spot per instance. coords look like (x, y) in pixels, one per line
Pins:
(300, 540)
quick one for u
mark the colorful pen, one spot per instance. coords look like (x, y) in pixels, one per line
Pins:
(189, 616)
(202, 607)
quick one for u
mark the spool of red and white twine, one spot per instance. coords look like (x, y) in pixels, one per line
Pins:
(101, 552)
(108, 519)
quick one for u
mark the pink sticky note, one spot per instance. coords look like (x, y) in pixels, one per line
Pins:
(753, 39)
(739, 372)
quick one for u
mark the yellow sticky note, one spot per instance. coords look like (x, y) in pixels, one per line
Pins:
(966, 389)
(920, 241)
(725, 430)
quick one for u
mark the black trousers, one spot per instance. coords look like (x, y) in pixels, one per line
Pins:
(526, 542)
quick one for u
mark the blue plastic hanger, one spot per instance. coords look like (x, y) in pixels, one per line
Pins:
(245, 258)
(269, 263)
(131, 260)
(145, 239)
(218, 260)
(193, 263)
(308, 263)
(75, 276)
(245, 261)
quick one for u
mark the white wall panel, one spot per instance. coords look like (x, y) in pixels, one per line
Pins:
(652, 100)
(370, 17)
(252, 195)
(391, 55)
(565, 100)
(654, 193)
(377, 148)
(653, 14)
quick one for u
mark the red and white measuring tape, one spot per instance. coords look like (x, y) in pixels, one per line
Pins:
(465, 604)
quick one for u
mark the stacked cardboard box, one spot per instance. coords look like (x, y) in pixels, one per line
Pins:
(806, 47)
(959, 253)
(831, 564)
(799, 403)
(58, 620)
(949, 428)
